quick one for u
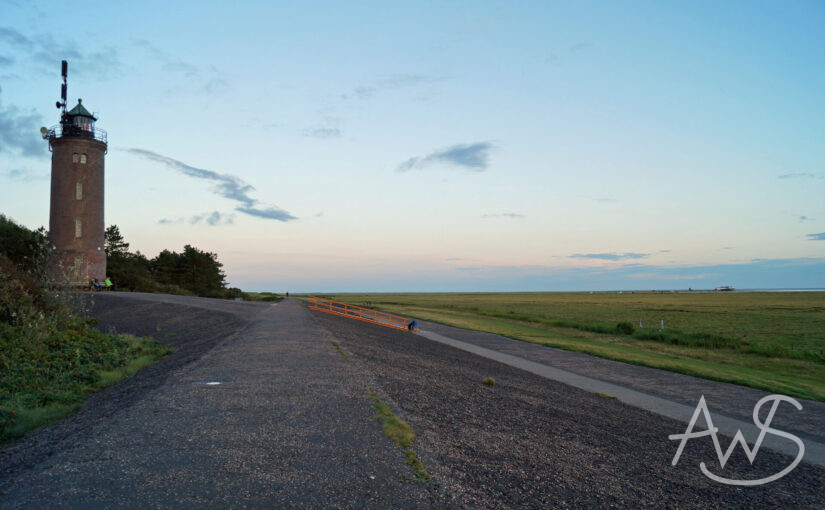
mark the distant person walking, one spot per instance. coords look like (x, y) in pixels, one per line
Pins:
(412, 326)
(287, 294)
(109, 285)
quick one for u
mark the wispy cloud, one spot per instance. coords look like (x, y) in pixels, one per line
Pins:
(227, 186)
(392, 82)
(579, 47)
(609, 256)
(14, 38)
(209, 80)
(19, 131)
(45, 52)
(803, 219)
(504, 215)
(665, 251)
(605, 200)
(473, 156)
(802, 175)
(213, 218)
(816, 237)
(768, 273)
(322, 132)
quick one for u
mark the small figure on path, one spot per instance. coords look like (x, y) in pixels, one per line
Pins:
(412, 326)
(96, 285)
(287, 294)
(109, 285)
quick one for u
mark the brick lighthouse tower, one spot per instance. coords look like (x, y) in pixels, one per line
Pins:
(76, 223)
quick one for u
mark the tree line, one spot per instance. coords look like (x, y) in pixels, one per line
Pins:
(190, 272)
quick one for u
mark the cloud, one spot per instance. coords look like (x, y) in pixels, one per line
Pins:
(392, 82)
(363, 92)
(20, 131)
(270, 213)
(609, 256)
(45, 52)
(504, 215)
(802, 175)
(665, 251)
(213, 218)
(322, 132)
(227, 186)
(803, 219)
(472, 156)
(816, 237)
(605, 200)
(210, 81)
(579, 47)
(397, 81)
(756, 274)
(6, 61)
(14, 38)
(168, 61)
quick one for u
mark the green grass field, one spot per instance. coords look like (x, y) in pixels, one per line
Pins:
(769, 340)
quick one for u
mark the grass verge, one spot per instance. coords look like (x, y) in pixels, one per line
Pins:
(43, 383)
(338, 348)
(401, 434)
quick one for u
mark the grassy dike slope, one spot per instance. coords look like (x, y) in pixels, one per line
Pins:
(50, 360)
(774, 341)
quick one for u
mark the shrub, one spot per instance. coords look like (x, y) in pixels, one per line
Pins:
(625, 328)
(27, 249)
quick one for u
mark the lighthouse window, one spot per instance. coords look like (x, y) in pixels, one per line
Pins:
(83, 159)
(75, 157)
(78, 228)
(78, 191)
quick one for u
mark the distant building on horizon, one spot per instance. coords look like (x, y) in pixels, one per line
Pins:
(76, 222)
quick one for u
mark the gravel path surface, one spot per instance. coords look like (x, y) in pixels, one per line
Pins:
(536, 443)
(731, 399)
(290, 425)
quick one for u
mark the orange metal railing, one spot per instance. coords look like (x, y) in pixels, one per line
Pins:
(358, 312)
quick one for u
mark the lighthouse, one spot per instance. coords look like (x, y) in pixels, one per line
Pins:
(76, 224)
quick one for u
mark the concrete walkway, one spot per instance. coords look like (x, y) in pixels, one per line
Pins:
(665, 393)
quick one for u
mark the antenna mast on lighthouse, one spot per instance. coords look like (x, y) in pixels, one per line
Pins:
(64, 67)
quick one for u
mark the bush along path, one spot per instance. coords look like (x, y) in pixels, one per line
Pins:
(45, 379)
(50, 360)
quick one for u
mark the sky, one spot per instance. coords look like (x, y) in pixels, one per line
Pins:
(440, 146)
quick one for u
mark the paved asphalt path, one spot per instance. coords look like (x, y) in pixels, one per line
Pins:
(290, 425)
